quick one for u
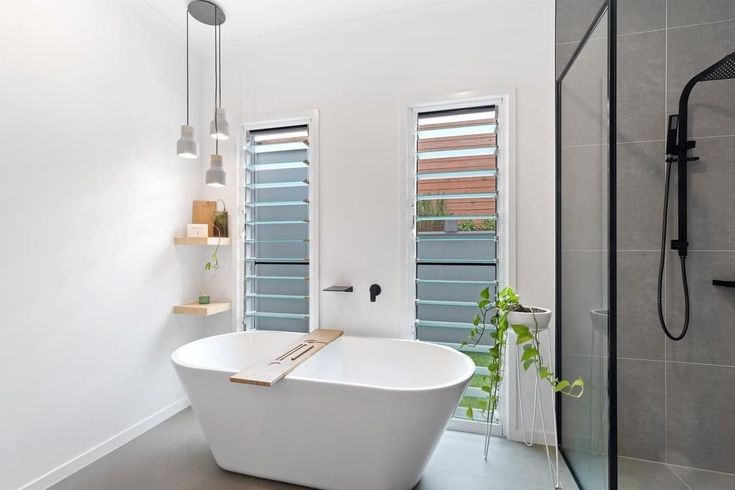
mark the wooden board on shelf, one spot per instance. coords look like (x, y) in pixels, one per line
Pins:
(202, 212)
(270, 372)
(202, 241)
(202, 310)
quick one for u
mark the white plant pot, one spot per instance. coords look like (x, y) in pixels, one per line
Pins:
(539, 319)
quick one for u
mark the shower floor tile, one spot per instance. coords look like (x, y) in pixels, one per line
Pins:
(174, 455)
(637, 474)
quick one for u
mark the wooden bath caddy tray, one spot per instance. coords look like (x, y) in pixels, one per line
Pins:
(271, 372)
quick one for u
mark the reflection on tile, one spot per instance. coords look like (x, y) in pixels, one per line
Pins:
(641, 420)
(638, 332)
(711, 335)
(634, 474)
(573, 18)
(686, 12)
(590, 468)
(641, 15)
(641, 86)
(641, 172)
(563, 54)
(700, 418)
(691, 50)
(584, 96)
(704, 480)
(584, 282)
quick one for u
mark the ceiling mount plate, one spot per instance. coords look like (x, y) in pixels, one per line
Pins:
(207, 12)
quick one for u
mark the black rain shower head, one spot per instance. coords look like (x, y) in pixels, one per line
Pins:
(722, 70)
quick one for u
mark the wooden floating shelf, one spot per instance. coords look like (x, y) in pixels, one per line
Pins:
(202, 241)
(202, 310)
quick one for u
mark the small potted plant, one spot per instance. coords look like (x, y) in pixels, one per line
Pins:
(506, 315)
(211, 267)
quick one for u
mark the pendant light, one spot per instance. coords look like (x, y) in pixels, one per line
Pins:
(187, 146)
(219, 128)
(215, 175)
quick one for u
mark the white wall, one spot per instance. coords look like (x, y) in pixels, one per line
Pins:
(360, 75)
(91, 194)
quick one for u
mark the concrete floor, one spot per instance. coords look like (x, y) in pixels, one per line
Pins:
(174, 455)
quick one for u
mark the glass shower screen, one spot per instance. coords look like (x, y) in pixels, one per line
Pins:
(583, 253)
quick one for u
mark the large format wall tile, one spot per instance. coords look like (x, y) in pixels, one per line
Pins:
(573, 17)
(687, 12)
(584, 212)
(640, 171)
(691, 50)
(639, 335)
(641, 15)
(700, 417)
(641, 86)
(711, 335)
(641, 426)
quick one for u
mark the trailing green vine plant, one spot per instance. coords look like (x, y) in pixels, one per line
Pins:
(496, 316)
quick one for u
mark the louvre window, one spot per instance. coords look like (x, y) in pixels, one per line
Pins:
(276, 229)
(455, 227)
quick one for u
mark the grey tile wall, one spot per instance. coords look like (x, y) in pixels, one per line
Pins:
(678, 411)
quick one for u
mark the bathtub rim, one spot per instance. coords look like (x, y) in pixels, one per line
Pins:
(467, 360)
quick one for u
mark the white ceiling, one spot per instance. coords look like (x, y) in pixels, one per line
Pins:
(255, 18)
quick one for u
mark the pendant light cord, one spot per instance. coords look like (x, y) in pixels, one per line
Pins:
(216, 85)
(187, 66)
(219, 62)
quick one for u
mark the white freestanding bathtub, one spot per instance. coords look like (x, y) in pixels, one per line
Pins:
(362, 413)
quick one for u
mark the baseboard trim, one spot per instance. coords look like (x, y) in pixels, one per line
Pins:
(88, 457)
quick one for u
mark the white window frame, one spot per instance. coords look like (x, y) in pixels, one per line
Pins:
(310, 119)
(506, 222)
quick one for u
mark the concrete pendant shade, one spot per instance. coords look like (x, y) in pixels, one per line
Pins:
(187, 147)
(216, 176)
(219, 128)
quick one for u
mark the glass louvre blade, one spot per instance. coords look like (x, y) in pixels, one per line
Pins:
(277, 185)
(446, 303)
(460, 261)
(276, 296)
(276, 278)
(266, 204)
(303, 240)
(277, 166)
(467, 152)
(282, 222)
(457, 175)
(456, 281)
(437, 324)
(478, 129)
(273, 147)
(458, 218)
(271, 314)
(447, 237)
(477, 195)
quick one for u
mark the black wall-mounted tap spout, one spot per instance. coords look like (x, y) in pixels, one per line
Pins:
(374, 292)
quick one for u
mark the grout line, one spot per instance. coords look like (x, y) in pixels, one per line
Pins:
(640, 141)
(675, 362)
(680, 478)
(664, 287)
(724, 473)
(699, 23)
